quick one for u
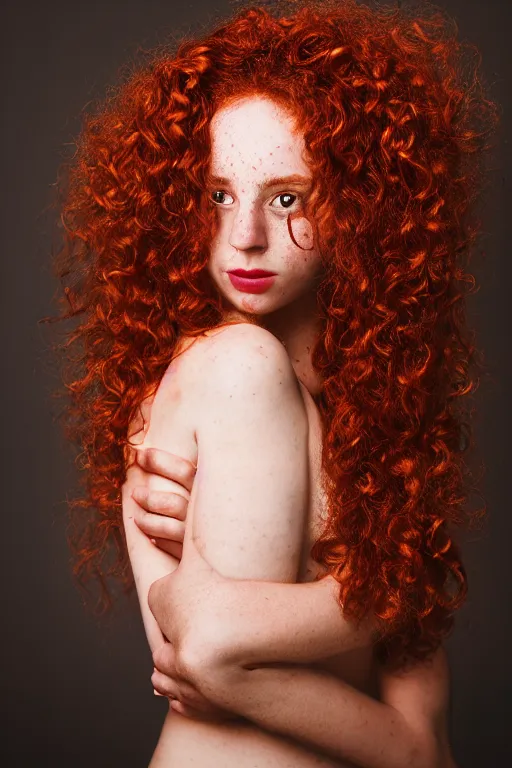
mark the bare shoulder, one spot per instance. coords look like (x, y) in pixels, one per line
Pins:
(237, 354)
(240, 340)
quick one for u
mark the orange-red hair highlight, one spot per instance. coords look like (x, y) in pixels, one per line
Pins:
(394, 123)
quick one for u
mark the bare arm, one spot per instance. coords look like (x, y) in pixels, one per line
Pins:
(174, 478)
(406, 730)
(270, 622)
(328, 714)
(148, 562)
(245, 522)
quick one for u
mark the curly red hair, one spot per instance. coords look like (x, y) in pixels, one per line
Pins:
(395, 119)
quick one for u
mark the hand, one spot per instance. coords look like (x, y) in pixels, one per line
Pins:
(186, 699)
(193, 604)
(178, 596)
(161, 515)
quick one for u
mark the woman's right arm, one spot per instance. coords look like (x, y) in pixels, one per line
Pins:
(409, 719)
(147, 561)
(246, 514)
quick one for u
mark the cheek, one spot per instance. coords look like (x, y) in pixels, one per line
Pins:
(298, 247)
(296, 238)
(217, 235)
(300, 232)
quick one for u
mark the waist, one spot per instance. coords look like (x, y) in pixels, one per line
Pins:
(230, 744)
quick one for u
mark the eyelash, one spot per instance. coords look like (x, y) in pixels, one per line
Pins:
(281, 194)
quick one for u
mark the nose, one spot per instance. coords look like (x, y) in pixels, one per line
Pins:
(248, 230)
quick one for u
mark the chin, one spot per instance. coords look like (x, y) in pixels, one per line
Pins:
(253, 305)
(256, 304)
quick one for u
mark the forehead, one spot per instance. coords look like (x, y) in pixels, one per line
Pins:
(255, 138)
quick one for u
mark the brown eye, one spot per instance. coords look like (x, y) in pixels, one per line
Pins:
(218, 195)
(287, 200)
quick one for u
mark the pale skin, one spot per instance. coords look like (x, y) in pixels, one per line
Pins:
(207, 659)
(413, 706)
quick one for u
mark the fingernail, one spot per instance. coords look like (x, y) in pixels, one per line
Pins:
(156, 693)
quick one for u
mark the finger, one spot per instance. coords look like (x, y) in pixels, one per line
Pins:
(174, 548)
(161, 502)
(159, 527)
(164, 659)
(185, 694)
(165, 685)
(168, 465)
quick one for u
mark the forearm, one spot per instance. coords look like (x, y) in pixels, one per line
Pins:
(321, 711)
(260, 622)
(148, 564)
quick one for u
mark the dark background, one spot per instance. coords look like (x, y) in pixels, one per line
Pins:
(76, 691)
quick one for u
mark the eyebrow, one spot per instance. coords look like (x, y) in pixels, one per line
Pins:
(272, 182)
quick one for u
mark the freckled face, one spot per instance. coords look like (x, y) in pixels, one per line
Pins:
(254, 149)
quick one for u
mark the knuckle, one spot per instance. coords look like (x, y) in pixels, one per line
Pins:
(177, 507)
(165, 686)
(167, 503)
(150, 454)
(150, 499)
(163, 500)
(174, 504)
(164, 659)
(158, 656)
(163, 528)
(181, 505)
(192, 660)
(188, 662)
(141, 516)
(188, 471)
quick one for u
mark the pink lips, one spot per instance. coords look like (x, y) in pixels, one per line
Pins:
(252, 280)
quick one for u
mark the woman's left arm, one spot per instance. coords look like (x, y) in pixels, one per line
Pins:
(407, 729)
(224, 624)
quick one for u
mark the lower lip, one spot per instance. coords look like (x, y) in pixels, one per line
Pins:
(251, 284)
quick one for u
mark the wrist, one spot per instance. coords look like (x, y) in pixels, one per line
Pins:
(217, 677)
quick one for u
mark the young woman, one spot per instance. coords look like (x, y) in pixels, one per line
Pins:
(334, 149)
(231, 403)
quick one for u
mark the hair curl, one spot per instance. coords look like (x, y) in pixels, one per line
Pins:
(395, 119)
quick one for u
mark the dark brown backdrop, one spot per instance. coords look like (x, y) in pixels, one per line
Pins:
(76, 692)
